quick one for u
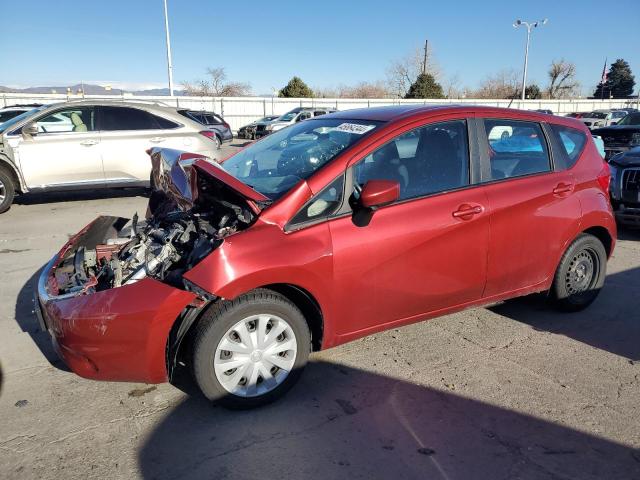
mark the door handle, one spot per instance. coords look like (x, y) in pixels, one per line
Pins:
(157, 139)
(467, 210)
(563, 188)
(88, 143)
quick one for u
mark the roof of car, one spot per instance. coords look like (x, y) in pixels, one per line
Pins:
(396, 112)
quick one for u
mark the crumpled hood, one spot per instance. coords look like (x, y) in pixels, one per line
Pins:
(174, 175)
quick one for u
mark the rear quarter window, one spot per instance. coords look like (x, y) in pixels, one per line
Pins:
(571, 141)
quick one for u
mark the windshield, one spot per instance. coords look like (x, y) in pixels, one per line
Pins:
(273, 165)
(631, 119)
(15, 120)
(287, 117)
(597, 115)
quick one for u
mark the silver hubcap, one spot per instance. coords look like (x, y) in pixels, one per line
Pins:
(3, 192)
(255, 355)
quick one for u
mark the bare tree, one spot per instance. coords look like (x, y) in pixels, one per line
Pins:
(452, 87)
(216, 86)
(403, 72)
(503, 84)
(562, 79)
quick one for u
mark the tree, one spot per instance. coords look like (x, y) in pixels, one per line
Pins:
(296, 88)
(216, 86)
(620, 81)
(402, 73)
(504, 84)
(562, 82)
(425, 86)
(533, 92)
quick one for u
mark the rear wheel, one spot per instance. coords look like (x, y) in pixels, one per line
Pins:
(218, 142)
(251, 351)
(7, 190)
(580, 275)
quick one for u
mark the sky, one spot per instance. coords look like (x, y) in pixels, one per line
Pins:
(326, 42)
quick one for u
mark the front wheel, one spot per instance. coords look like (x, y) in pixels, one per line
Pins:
(7, 190)
(251, 351)
(580, 274)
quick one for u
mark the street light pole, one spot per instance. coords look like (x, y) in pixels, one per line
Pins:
(169, 67)
(529, 26)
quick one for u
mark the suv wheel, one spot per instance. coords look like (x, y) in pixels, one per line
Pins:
(250, 351)
(580, 275)
(7, 190)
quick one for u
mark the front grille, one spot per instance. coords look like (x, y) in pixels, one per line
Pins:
(631, 185)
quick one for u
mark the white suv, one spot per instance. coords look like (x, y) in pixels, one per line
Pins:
(90, 144)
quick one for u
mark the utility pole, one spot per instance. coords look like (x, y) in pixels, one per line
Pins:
(424, 63)
(169, 67)
(529, 26)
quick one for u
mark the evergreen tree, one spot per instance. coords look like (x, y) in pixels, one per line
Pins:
(425, 86)
(620, 81)
(296, 88)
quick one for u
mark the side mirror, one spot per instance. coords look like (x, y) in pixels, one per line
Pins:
(30, 130)
(377, 193)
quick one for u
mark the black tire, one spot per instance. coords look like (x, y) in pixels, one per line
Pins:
(580, 274)
(7, 190)
(222, 316)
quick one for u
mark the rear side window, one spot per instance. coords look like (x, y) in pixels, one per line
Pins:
(124, 118)
(516, 148)
(572, 142)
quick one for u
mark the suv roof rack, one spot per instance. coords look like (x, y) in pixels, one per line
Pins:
(120, 100)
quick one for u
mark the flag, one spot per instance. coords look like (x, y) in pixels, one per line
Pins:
(603, 79)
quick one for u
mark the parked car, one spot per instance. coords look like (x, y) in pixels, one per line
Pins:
(213, 122)
(577, 114)
(90, 144)
(249, 131)
(622, 136)
(7, 113)
(602, 118)
(324, 232)
(296, 115)
(625, 186)
(544, 110)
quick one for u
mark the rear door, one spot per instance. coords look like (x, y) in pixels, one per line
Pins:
(531, 203)
(127, 133)
(65, 151)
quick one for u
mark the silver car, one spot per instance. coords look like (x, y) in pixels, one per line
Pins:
(91, 144)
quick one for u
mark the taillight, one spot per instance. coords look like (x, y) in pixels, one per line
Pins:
(604, 178)
(208, 134)
(226, 125)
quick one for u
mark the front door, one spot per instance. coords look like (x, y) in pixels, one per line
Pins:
(427, 251)
(64, 152)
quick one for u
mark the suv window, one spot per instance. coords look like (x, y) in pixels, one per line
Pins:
(572, 141)
(317, 113)
(303, 116)
(322, 205)
(76, 119)
(125, 118)
(516, 148)
(427, 160)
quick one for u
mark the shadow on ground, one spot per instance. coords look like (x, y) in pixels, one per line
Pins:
(341, 422)
(611, 323)
(79, 195)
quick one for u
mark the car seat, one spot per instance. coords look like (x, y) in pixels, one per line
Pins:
(78, 124)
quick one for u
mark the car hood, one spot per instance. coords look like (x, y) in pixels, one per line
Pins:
(630, 158)
(617, 128)
(175, 173)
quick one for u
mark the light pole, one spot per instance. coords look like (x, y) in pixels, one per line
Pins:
(169, 67)
(519, 23)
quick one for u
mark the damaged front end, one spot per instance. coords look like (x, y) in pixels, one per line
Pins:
(112, 294)
(190, 213)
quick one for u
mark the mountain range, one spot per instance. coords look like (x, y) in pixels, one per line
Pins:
(90, 89)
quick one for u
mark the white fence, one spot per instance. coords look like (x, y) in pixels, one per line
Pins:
(239, 111)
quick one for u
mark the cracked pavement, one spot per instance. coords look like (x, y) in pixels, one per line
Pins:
(511, 391)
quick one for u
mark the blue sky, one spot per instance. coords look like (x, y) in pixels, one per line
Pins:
(325, 42)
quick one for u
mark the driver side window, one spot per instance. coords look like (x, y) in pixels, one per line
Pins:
(78, 119)
(427, 160)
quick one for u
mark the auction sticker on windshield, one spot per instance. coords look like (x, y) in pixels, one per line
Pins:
(354, 128)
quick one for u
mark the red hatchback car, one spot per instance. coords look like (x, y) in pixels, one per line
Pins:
(324, 232)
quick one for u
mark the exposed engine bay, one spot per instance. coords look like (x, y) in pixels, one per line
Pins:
(189, 215)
